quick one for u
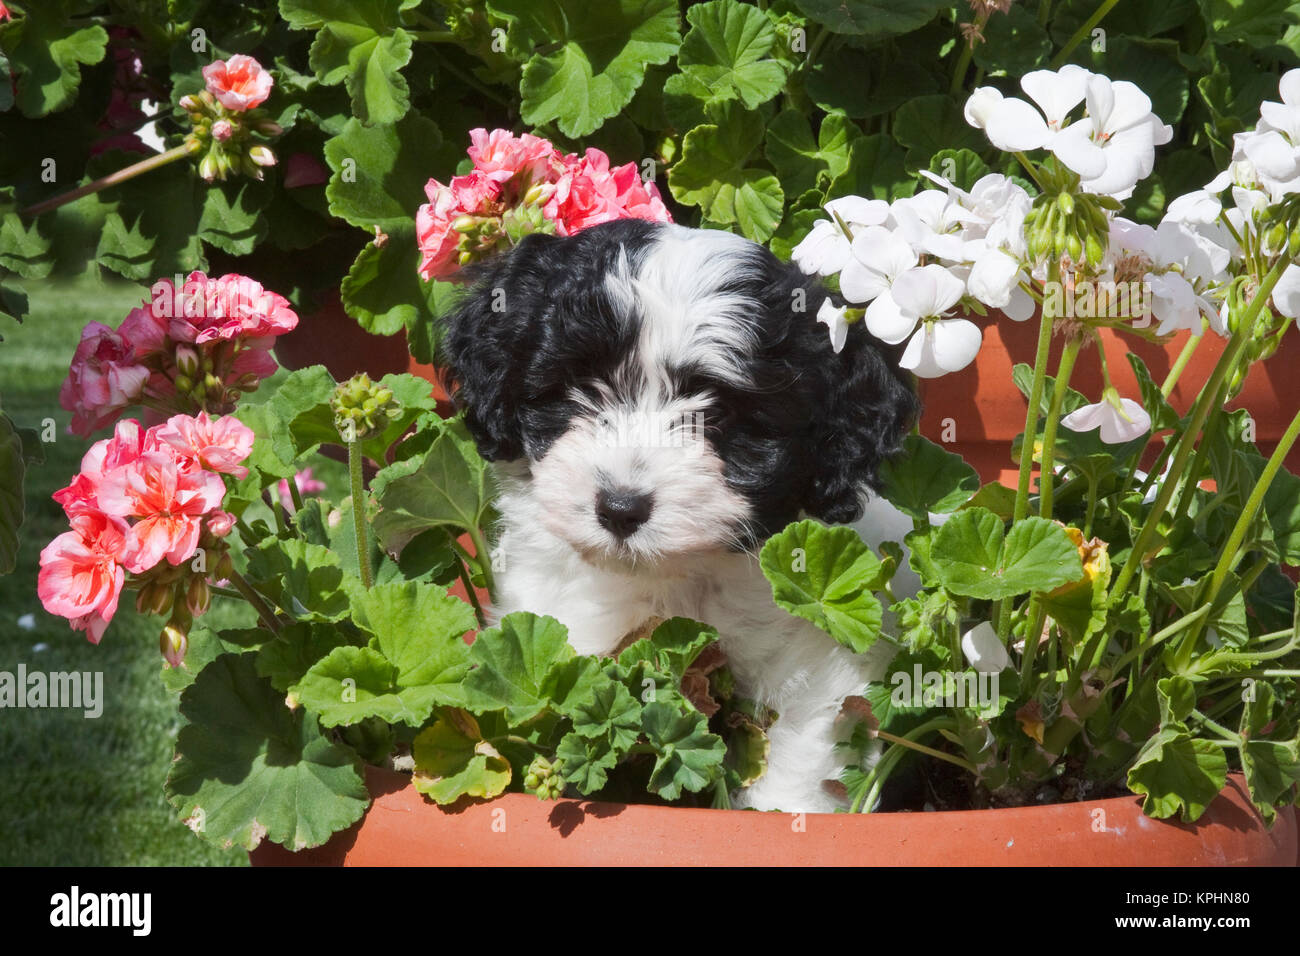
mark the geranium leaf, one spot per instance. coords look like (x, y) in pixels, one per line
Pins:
(609, 711)
(688, 756)
(511, 664)
(295, 650)
(453, 760)
(729, 49)
(826, 575)
(672, 647)
(871, 17)
(46, 51)
(304, 580)
(587, 761)
(1176, 773)
(973, 556)
(584, 62)
(248, 768)
(361, 44)
(925, 477)
(450, 487)
(711, 174)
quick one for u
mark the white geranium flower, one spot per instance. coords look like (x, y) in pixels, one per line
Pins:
(930, 222)
(1199, 207)
(1120, 419)
(879, 257)
(1272, 155)
(924, 295)
(995, 278)
(1285, 116)
(1175, 303)
(1057, 91)
(826, 250)
(1113, 147)
(983, 650)
(832, 317)
(1010, 124)
(1286, 294)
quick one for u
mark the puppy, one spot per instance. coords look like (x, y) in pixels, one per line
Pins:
(659, 401)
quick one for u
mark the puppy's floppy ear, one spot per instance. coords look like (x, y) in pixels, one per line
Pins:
(489, 338)
(867, 406)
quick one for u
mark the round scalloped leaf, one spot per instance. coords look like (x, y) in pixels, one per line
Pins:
(925, 478)
(872, 17)
(728, 49)
(453, 760)
(247, 768)
(973, 556)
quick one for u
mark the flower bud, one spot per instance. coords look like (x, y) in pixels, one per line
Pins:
(208, 168)
(173, 642)
(187, 360)
(268, 127)
(197, 596)
(155, 597)
(262, 156)
(190, 103)
(222, 131)
(362, 408)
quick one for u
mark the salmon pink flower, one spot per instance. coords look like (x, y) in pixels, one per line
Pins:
(81, 577)
(169, 498)
(501, 156)
(239, 83)
(218, 445)
(104, 378)
(435, 221)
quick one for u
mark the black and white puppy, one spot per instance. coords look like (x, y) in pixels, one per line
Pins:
(659, 401)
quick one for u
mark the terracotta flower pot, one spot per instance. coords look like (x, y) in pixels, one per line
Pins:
(985, 410)
(401, 828)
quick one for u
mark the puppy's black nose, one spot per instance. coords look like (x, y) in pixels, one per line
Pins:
(621, 512)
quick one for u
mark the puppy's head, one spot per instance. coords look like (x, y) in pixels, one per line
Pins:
(670, 390)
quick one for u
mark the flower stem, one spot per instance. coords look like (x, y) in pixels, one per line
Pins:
(113, 179)
(1031, 429)
(1063, 372)
(463, 571)
(1084, 30)
(263, 610)
(484, 555)
(359, 510)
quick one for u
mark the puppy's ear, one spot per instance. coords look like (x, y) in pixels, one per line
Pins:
(867, 405)
(489, 338)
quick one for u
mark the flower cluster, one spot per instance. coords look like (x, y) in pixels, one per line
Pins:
(194, 345)
(225, 118)
(145, 502)
(913, 270)
(522, 184)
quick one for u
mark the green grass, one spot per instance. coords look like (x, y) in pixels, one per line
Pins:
(76, 790)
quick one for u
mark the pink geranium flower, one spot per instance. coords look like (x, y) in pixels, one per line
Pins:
(307, 485)
(469, 195)
(81, 577)
(501, 156)
(169, 498)
(232, 307)
(218, 445)
(590, 193)
(239, 83)
(103, 379)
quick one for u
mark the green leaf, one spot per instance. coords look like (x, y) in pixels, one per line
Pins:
(872, 17)
(608, 712)
(379, 172)
(729, 50)
(932, 124)
(925, 478)
(361, 44)
(304, 580)
(875, 170)
(1174, 772)
(799, 160)
(512, 662)
(296, 649)
(688, 756)
(1015, 43)
(1272, 767)
(584, 62)
(1258, 22)
(976, 558)
(961, 167)
(995, 497)
(587, 761)
(453, 760)
(672, 647)
(231, 215)
(450, 487)
(46, 51)
(826, 575)
(711, 175)
(247, 768)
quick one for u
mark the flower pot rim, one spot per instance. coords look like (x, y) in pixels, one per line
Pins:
(403, 828)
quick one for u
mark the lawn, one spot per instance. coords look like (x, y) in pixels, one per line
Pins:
(75, 790)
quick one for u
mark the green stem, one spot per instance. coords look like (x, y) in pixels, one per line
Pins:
(1187, 441)
(929, 751)
(434, 36)
(1031, 429)
(1044, 12)
(1063, 372)
(463, 571)
(484, 555)
(250, 595)
(963, 64)
(1085, 29)
(359, 510)
(881, 770)
(1187, 620)
(1092, 509)
(113, 179)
